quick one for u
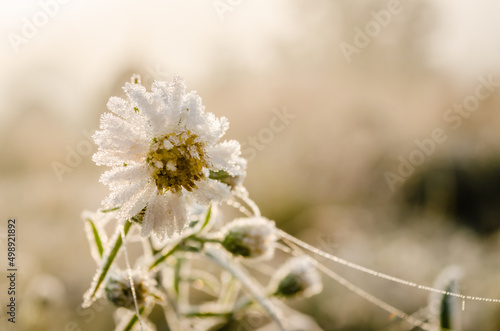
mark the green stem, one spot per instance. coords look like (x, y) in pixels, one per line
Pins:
(228, 314)
(165, 256)
(109, 210)
(207, 314)
(207, 218)
(133, 320)
(205, 240)
(177, 275)
(229, 293)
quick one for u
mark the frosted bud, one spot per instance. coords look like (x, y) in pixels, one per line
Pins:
(253, 237)
(297, 278)
(119, 291)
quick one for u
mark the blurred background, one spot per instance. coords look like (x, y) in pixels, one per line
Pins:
(355, 86)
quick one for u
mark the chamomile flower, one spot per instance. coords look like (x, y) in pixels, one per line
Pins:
(163, 147)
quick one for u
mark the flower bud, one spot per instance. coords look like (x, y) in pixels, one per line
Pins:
(298, 278)
(119, 291)
(252, 237)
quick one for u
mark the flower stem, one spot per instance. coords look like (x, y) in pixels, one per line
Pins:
(133, 320)
(165, 256)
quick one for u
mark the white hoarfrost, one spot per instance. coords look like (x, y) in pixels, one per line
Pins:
(162, 146)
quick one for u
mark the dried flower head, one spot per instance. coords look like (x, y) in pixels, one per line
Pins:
(297, 278)
(163, 146)
(253, 237)
(119, 291)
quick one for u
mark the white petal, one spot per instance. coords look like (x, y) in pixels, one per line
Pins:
(165, 217)
(210, 191)
(117, 158)
(212, 129)
(226, 156)
(107, 140)
(174, 219)
(176, 92)
(156, 218)
(121, 107)
(177, 211)
(134, 205)
(161, 87)
(123, 193)
(165, 122)
(119, 175)
(120, 127)
(154, 210)
(141, 99)
(192, 111)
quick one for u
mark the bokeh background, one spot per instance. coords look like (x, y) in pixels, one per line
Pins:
(323, 177)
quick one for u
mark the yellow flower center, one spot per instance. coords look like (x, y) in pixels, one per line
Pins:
(178, 161)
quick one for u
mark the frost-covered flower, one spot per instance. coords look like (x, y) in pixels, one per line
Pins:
(297, 278)
(253, 237)
(163, 147)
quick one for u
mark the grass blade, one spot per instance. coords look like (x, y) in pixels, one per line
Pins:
(96, 237)
(106, 262)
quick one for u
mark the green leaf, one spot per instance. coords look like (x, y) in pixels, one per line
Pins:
(109, 210)
(207, 219)
(206, 314)
(177, 275)
(97, 237)
(115, 246)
